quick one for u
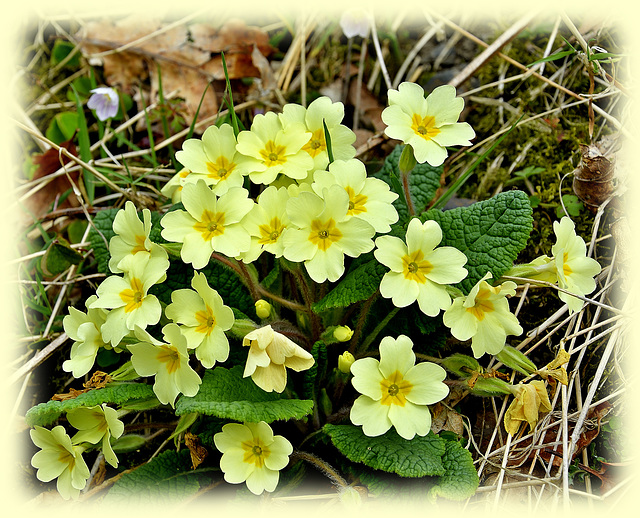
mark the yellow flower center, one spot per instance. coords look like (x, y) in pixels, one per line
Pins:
(139, 245)
(482, 305)
(169, 356)
(566, 269)
(316, 144)
(271, 232)
(324, 234)
(132, 297)
(356, 202)
(210, 224)
(415, 268)
(220, 169)
(394, 390)
(255, 452)
(272, 154)
(424, 126)
(206, 321)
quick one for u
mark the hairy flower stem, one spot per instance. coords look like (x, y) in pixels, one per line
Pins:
(362, 318)
(407, 193)
(367, 342)
(321, 466)
(303, 286)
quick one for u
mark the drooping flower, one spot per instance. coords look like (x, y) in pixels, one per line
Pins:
(128, 297)
(395, 391)
(271, 149)
(252, 454)
(370, 199)
(97, 424)
(59, 458)
(204, 318)
(270, 353)
(266, 223)
(321, 110)
(574, 269)
(210, 224)
(168, 362)
(84, 330)
(419, 270)
(427, 125)
(530, 399)
(132, 237)
(355, 22)
(325, 233)
(483, 316)
(104, 101)
(173, 188)
(214, 159)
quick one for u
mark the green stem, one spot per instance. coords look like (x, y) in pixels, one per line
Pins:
(322, 466)
(377, 329)
(362, 318)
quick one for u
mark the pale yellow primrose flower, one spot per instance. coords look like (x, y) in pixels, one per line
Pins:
(370, 199)
(60, 459)
(272, 149)
(419, 270)
(132, 237)
(252, 454)
(204, 319)
(483, 316)
(574, 269)
(168, 362)
(214, 159)
(325, 233)
(128, 297)
(427, 125)
(210, 224)
(269, 355)
(84, 330)
(395, 391)
(266, 223)
(173, 188)
(530, 399)
(312, 117)
(97, 424)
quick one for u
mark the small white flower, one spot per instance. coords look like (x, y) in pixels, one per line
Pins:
(355, 22)
(104, 101)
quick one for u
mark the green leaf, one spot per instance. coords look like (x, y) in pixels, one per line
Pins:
(316, 372)
(490, 233)
(166, 479)
(225, 393)
(46, 413)
(356, 286)
(573, 205)
(419, 457)
(62, 49)
(58, 257)
(128, 443)
(424, 182)
(460, 479)
(62, 127)
(553, 57)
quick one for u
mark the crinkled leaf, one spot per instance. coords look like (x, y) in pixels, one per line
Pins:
(490, 233)
(356, 286)
(316, 372)
(424, 182)
(58, 257)
(166, 479)
(225, 393)
(460, 479)
(419, 457)
(46, 413)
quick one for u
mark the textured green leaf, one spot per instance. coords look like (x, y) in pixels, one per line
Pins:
(424, 182)
(166, 479)
(460, 479)
(46, 413)
(316, 372)
(356, 286)
(419, 457)
(225, 393)
(490, 233)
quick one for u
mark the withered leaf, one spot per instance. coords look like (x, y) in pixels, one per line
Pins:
(198, 452)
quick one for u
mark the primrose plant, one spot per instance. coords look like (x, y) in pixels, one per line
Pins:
(287, 287)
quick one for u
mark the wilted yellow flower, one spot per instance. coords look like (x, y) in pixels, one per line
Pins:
(530, 399)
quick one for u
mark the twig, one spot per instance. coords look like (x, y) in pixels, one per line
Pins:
(40, 356)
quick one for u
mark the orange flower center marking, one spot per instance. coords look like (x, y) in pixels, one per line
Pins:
(273, 155)
(394, 390)
(424, 126)
(139, 245)
(255, 452)
(211, 224)
(356, 202)
(483, 304)
(169, 356)
(270, 233)
(415, 268)
(132, 297)
(206, 321)
(316, 144)
(220, 169)
(324, 234)
(566, 269)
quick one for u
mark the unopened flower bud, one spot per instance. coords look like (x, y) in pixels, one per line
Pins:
(342, 333)
(345, 360)
(516, 360)
(407, 160)
(263, 309)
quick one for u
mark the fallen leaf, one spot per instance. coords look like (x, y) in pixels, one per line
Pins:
(198, 452)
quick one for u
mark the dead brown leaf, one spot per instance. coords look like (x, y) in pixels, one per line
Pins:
(198, 452)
